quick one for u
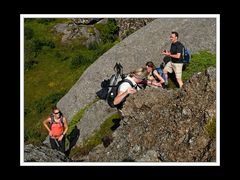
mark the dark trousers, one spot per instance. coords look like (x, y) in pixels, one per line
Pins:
(59, 145)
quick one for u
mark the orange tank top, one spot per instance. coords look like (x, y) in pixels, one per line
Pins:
(57, 129)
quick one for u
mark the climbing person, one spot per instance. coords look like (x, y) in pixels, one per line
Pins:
(130, 85)
(57, 127)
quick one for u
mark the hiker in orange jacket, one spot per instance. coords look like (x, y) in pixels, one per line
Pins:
(57, 129)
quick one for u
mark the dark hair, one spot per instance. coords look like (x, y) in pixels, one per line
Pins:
(150, 64)
(56, 108)
(176, 34)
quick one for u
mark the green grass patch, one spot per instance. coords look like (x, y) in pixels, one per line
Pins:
(108, 31)
(210, 128)
(51, 69)
(107, 128)
(78, 116)
(199, 63)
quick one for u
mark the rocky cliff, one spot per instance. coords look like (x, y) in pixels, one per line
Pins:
(166, 125)
(43, 154)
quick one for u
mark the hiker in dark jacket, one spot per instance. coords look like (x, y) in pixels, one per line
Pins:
(57, 129)
(175, 64)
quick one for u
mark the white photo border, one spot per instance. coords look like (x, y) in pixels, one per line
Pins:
(22, 163)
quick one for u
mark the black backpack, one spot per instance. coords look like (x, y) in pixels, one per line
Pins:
(113, 91)
(115, 81)
(107, 84)
(110, 86)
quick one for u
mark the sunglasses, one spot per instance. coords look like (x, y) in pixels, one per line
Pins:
(56, 112)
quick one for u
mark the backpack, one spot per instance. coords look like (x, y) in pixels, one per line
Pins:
(115, 81)
(160, 71)
(107, 84)
(186, 55)
(110, 86)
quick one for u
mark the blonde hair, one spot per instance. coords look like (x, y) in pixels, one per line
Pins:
(139, 73)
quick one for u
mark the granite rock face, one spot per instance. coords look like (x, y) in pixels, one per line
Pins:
(43, 154)
(134, 51)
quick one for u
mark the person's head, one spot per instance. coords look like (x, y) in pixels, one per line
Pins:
(56, 112)
(150, 66)
(139, 74)
(174, 37)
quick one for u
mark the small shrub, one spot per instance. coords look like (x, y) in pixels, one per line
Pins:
(28, 33)
(210, 127)
(29, 64)
(102, 48)
(84, 58)
(40, 105)
(93, 46)
(27, 110)
(78, 60)
(108, 31)
(48, 101)
(33, 136)
(62, 56)
(45, 20)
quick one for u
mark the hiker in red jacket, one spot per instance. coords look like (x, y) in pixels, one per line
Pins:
(57, 129)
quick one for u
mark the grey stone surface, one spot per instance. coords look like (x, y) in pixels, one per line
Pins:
(43, 154)
(92, 120)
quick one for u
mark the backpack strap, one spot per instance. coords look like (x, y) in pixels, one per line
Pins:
(154, 74)
(128, 81)
(52, 120)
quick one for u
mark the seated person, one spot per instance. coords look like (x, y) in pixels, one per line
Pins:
(153, 78)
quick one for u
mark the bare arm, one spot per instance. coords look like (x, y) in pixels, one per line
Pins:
(154, 83)
(158, 76)
(46, 123)
(65, 129)
(118, 99)
(168, 53)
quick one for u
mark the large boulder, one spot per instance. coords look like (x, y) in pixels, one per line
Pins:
(134, 51)
(43, 154)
